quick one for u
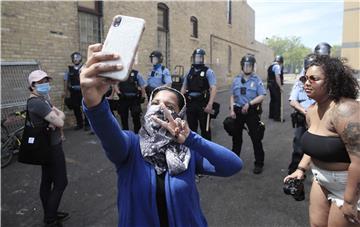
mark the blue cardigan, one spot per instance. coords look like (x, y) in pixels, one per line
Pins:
(137, 178)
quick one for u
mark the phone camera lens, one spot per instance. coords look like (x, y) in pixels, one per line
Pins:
(117, 21)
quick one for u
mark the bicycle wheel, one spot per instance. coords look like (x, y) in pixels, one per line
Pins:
(7, 146)
(17, 137)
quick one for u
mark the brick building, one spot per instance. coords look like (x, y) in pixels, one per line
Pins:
(350, 48)
(49, 31)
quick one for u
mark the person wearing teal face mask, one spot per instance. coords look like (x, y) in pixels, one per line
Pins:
(42, 113)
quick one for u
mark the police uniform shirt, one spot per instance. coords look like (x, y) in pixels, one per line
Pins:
(276, 69)
(140, 82)
(157, 80)
(254, 87)
(298, 94)
(210, 75)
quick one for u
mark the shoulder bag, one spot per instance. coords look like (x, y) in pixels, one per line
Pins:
(35, 144)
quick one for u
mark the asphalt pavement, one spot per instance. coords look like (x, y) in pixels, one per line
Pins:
(244, 199)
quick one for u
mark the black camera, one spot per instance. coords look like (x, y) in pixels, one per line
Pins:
(243, 90)
(295, 187)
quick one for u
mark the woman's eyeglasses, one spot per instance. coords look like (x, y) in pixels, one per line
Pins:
(312, 78)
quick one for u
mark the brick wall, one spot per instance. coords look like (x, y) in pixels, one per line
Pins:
(48, 32)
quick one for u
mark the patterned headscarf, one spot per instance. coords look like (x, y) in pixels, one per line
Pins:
(158, 146)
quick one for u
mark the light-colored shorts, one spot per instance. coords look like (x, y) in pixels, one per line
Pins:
(334, 182)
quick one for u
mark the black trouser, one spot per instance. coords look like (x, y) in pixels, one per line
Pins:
(300, 128)
(53, 182)
(196, 115)
(275, 100)
(131, 104)
(297, 153)
(76, 98)
(251, 119)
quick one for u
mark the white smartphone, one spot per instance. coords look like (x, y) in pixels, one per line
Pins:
(123, 38)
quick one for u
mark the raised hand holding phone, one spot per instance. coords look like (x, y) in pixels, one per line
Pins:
(94, 87)
(123, 39)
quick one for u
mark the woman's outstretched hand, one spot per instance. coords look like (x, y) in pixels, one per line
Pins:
(93, 87)
(177, 127)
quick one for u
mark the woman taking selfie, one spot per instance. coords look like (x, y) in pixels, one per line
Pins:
(156, 169)
(332, 143)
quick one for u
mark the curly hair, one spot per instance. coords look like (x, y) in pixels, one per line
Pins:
(339, 77)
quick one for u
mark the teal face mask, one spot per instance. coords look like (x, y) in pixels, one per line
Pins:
(43, 89)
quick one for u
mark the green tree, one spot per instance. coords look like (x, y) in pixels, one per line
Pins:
(291, 49)
(336, 50)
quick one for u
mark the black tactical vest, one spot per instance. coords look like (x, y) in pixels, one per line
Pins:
(197, 80)
(271, 74)
(131, 84)
(74, 76)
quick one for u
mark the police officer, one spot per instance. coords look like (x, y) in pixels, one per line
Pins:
(322, 48)
(248, 93)
(72, 85)
(131, 94)
(159, 75)
(199, 87)
(275, 83)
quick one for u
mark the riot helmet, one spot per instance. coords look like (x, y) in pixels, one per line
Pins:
(322, 49)
(156, 57)
(198, 56)
(279, 59)
(76, 58)
(308, 59)
(248, 64)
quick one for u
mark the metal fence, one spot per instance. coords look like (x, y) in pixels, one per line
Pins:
(14, 89)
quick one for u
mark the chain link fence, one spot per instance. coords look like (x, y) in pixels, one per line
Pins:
(14, 90)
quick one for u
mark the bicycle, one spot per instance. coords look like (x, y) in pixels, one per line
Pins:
(10, 141)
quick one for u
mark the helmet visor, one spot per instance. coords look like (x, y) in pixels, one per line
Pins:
(198, 59)
(323, 51)
(154, 60)
(248, 67)
(77, 58)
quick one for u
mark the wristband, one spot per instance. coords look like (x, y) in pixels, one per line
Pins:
(301, 168)
(249, 104)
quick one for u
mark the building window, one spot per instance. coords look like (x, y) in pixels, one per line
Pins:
(229, 12)
(163, 31)
(90, 24)
(194, 24)
(163, 17)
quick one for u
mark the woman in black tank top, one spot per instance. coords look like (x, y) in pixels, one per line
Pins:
(332, 143)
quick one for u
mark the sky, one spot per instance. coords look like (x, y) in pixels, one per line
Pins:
(313, 21)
